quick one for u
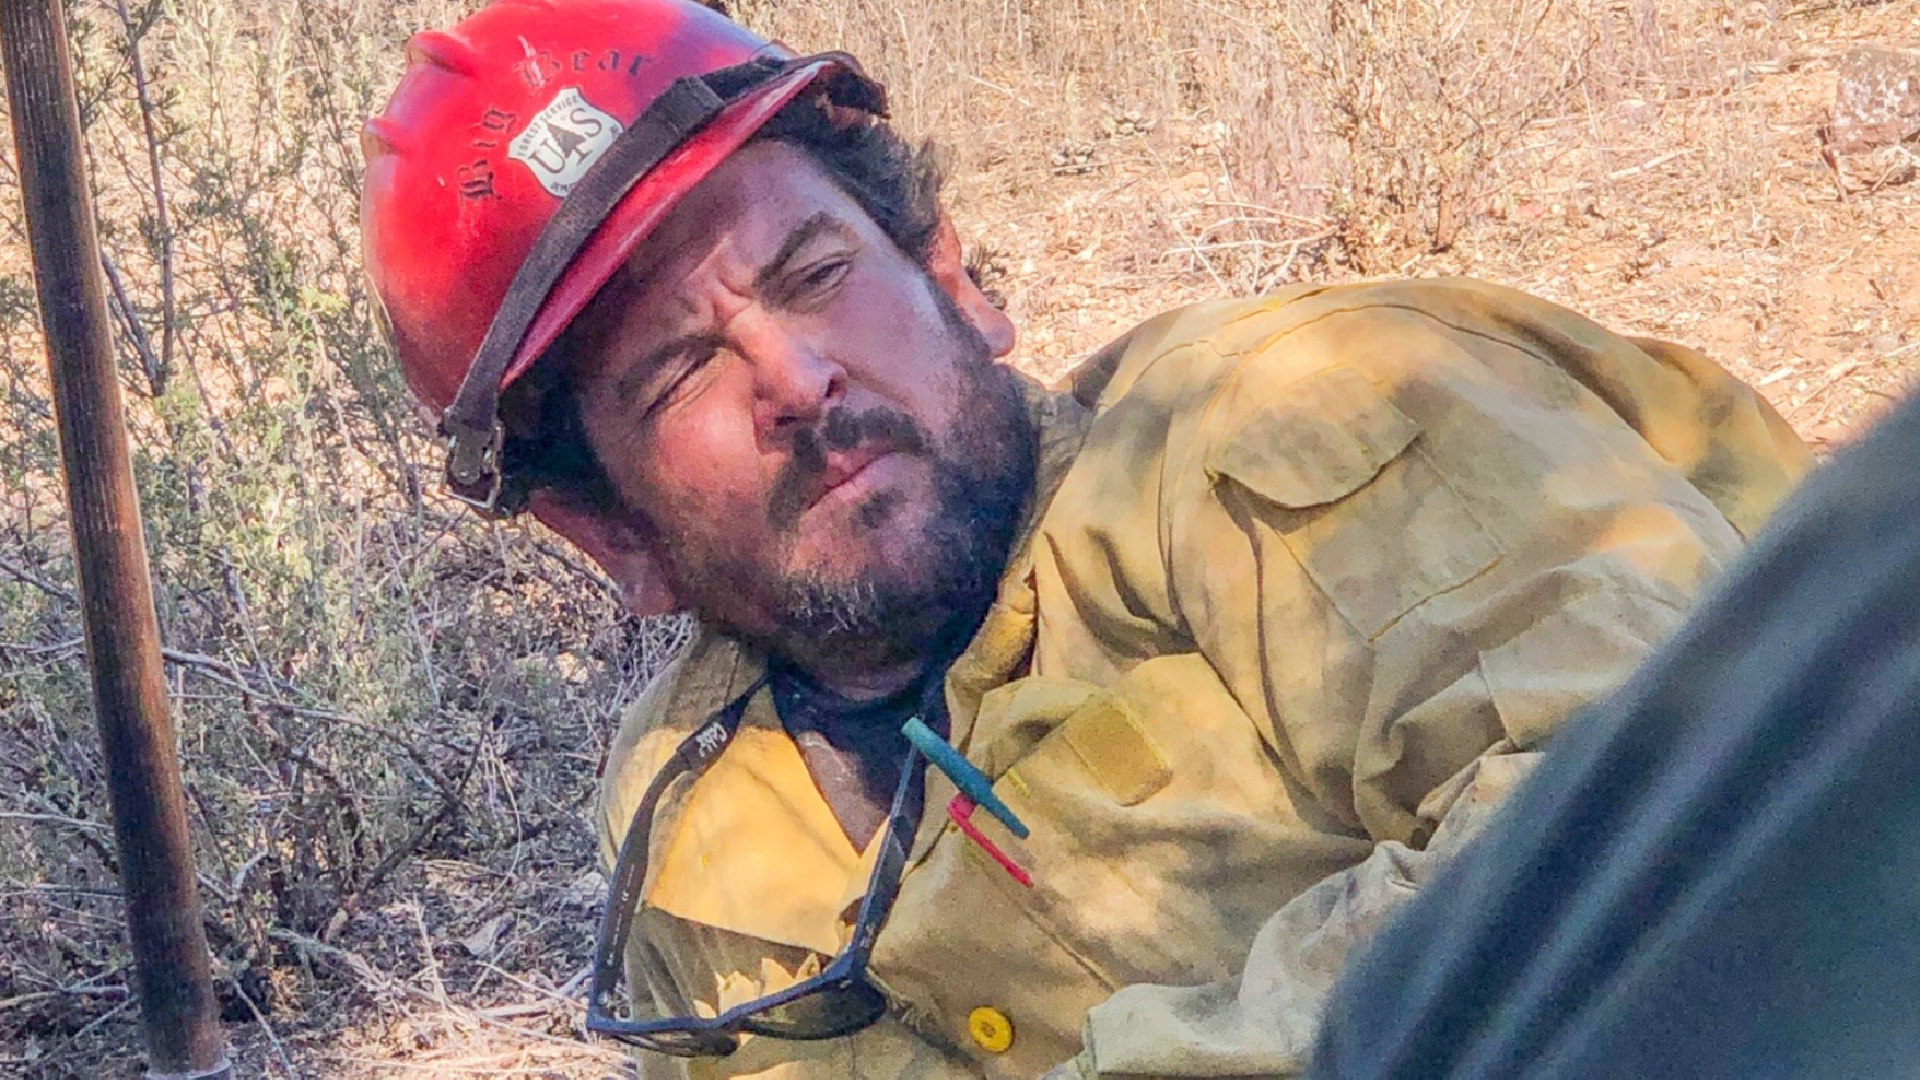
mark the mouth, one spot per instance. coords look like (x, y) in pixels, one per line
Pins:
(845, 469)
(837, 462)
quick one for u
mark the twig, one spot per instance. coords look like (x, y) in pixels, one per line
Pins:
(36, 887)
(260, 1018)
(1649, 166)
(1295, 248)
(435, 1068)
(596, 579)
(74, 1039)
(230, 676)
(517, 1010)
(123, 307)
(163, 226)
(28, 577)
(432, 970)
(359, 966)
(554, 997)
(1838, 372)
(450, 796)
(1815, 9)
(68, 645)
(1272, 212)
(578, 983)
(1230, 245)
(112, 993)
(1192, 246)
(1831, 156)
(91, 837)
(401, 854)
(19, 1000)
(1623, 174)
(1024, 103)
(51, 819)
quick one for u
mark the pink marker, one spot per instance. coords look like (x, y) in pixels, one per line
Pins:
(961, 811)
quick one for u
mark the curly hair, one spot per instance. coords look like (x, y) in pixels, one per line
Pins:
(897, 184)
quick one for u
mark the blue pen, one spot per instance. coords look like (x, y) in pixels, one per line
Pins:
(969, 779)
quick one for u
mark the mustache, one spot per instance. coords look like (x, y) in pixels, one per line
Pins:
(843, 430)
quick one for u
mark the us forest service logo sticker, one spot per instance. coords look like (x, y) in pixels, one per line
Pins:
(564, 140)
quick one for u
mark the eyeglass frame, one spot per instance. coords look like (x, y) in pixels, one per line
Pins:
(719, 1035)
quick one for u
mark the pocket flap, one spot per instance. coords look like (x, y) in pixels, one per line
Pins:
(1321, 439)
(1115, 747)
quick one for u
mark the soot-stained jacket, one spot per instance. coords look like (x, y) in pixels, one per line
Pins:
(1308, 579)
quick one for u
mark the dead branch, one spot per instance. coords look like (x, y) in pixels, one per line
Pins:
(109, 993)
(27, 577)
(387, 984)
(260, 1018)
(51, 819)
(150, 364)
(163, 226)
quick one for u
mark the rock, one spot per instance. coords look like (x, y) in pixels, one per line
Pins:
(586, 892)
(1209, 135)
(482, 942)
(1073, 158)
(1878, 102)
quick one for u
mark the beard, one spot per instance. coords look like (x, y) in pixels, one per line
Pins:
(980, 486)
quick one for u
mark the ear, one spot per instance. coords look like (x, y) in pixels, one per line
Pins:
(949, 271)
(617, 546)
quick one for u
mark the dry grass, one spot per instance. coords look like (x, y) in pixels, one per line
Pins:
(391, 714)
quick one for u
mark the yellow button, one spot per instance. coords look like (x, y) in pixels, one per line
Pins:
(991, 1029)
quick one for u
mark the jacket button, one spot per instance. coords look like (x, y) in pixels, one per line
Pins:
(991, 1029)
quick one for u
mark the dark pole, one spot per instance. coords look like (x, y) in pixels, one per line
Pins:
(123, 637)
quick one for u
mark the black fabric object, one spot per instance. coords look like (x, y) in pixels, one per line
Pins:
(1716, 871)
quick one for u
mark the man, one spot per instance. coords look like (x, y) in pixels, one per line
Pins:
(1214, 653)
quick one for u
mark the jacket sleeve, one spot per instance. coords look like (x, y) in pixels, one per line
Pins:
(1264, 1022)
(1409, 568)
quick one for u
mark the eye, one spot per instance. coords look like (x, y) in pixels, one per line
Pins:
(680, 377)
(820, 278)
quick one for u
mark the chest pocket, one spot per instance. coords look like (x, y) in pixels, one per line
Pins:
(1162, 838)
(1345, 479)
(1162, 830)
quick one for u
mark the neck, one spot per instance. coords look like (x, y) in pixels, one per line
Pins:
(863, 682)
(867, 669)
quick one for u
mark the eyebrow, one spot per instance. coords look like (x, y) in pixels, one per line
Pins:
(820, 222)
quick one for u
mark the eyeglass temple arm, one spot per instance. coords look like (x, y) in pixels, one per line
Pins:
(693, 755)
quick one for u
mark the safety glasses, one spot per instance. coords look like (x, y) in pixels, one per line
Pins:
(838, 1001)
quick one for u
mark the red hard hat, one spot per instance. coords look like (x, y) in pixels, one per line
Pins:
(498, 121)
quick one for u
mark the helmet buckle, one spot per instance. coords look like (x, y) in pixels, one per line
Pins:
(473, 465)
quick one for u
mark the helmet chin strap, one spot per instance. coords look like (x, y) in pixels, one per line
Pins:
(471, 425)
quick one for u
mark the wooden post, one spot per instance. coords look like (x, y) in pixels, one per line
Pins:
(177, 1008)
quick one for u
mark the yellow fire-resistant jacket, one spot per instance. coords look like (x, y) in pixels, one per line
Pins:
(1308, 578)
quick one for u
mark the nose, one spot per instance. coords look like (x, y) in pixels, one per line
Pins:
(795, 381)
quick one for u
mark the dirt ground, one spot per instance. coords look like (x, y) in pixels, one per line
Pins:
(1806, 282)
(1803, 290)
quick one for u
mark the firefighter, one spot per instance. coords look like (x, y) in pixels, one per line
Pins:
(1076, 731)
